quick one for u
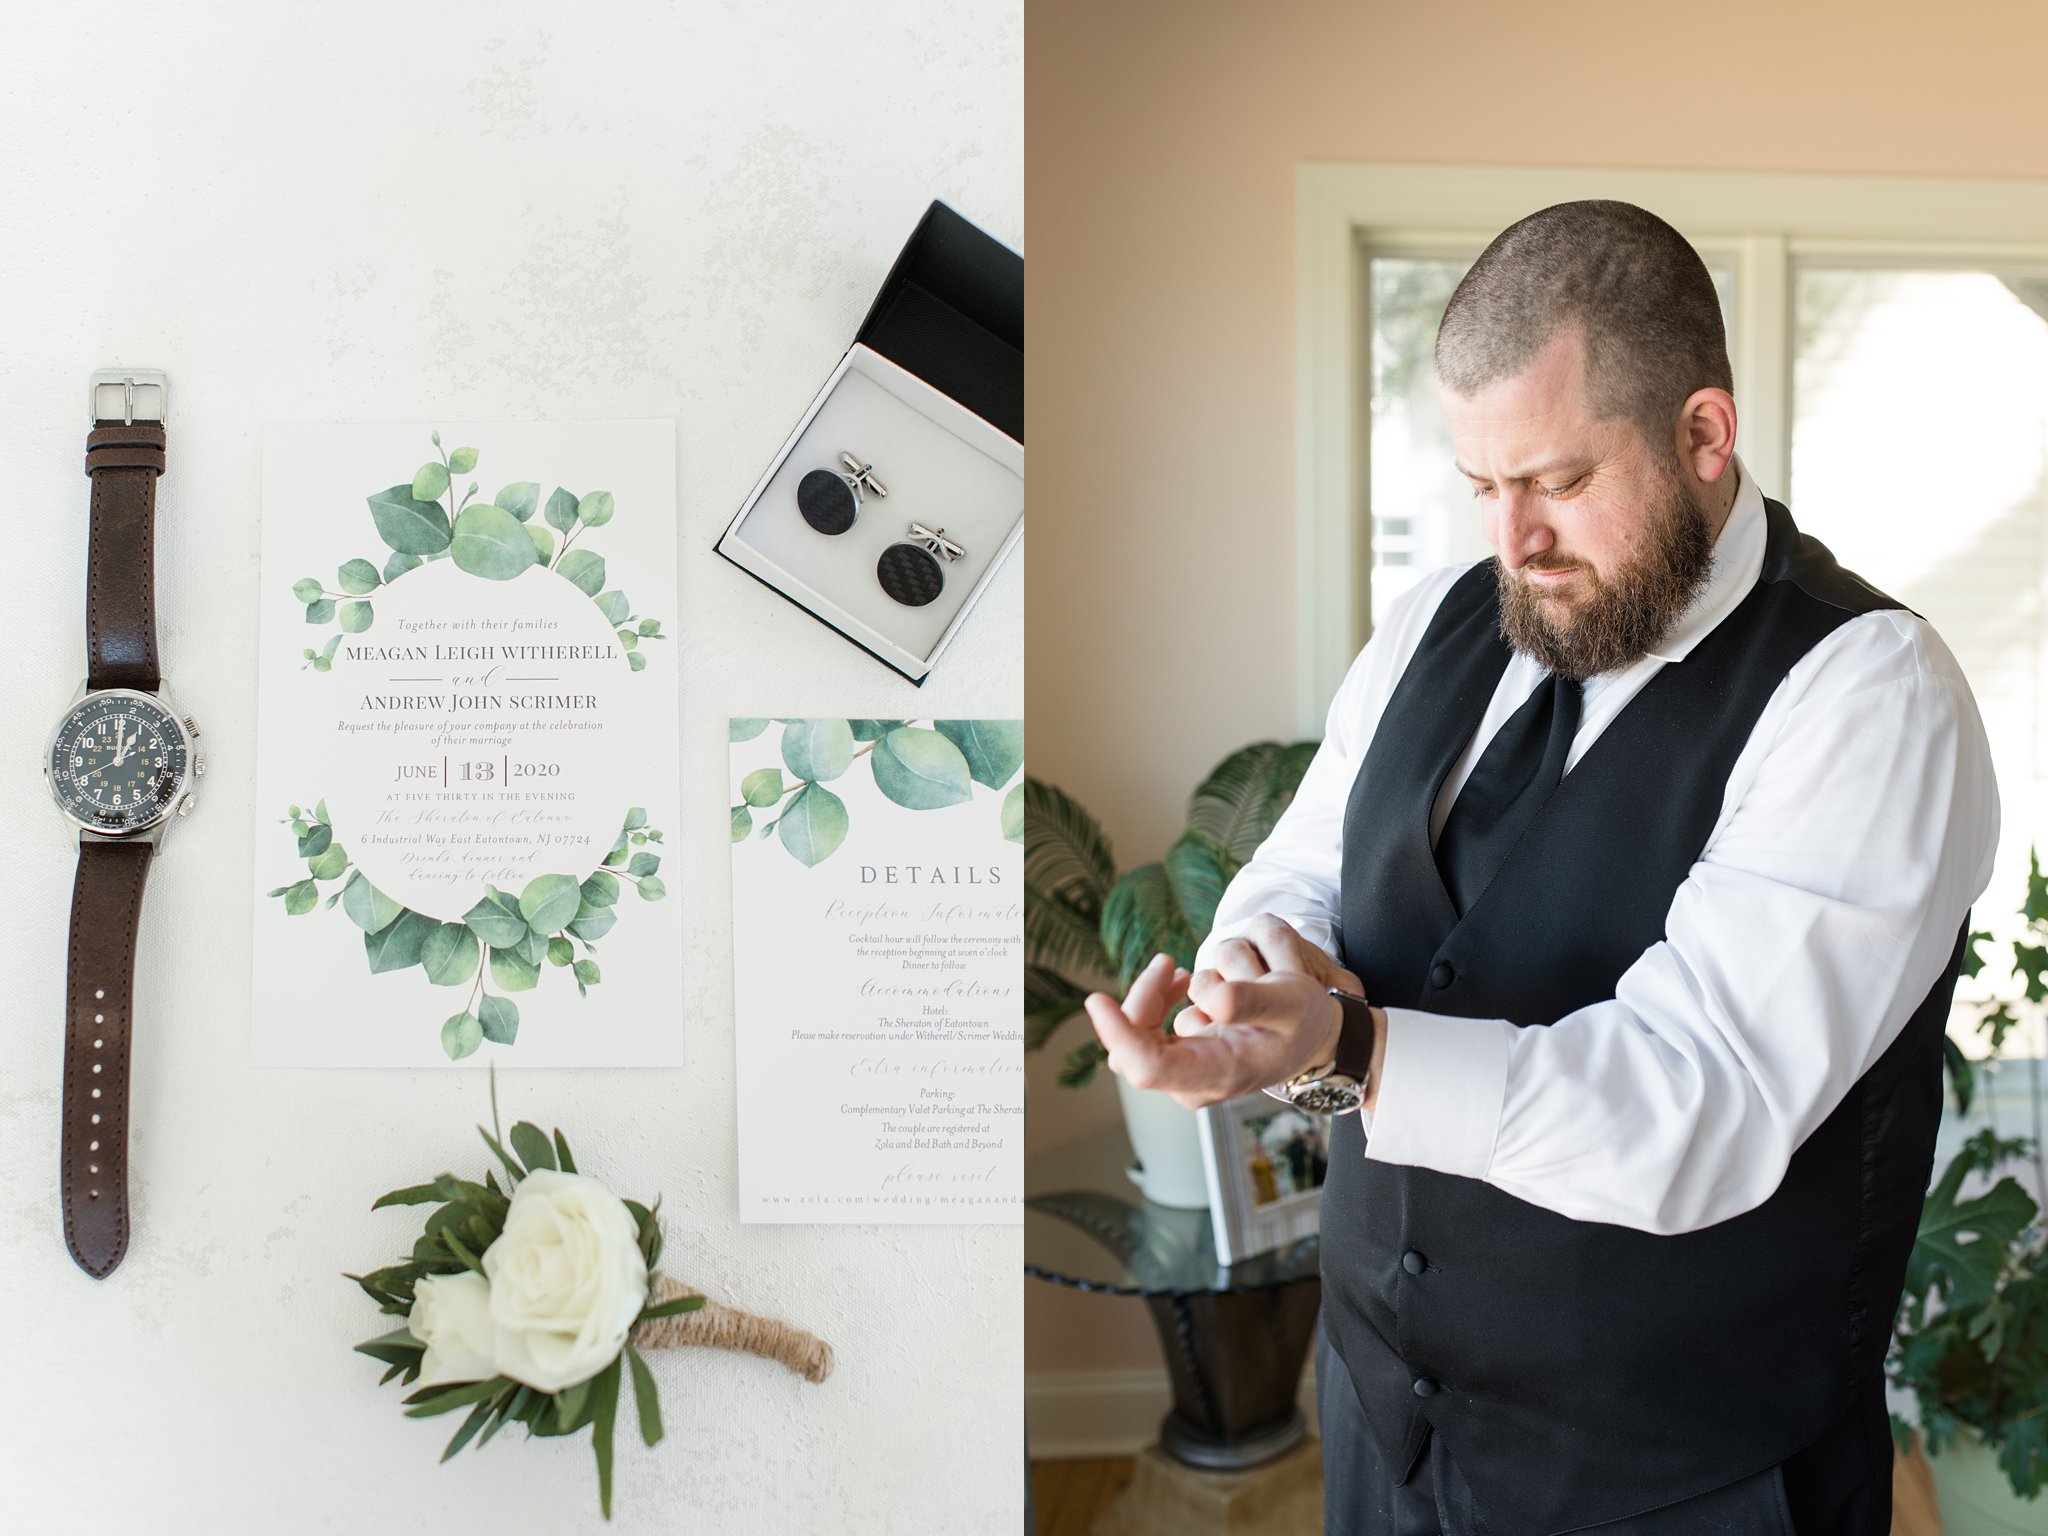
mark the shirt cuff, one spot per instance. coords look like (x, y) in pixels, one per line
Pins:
(1442, 1083)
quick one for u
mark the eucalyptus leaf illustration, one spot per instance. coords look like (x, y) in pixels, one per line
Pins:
(490, 542)
(502, 939)
(423, 520)
(921, 769)
(408, 524)
(817, 749)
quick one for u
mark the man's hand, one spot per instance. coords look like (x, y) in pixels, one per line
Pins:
(1260, 1015)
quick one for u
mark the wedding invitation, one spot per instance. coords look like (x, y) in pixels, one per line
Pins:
(468, 739)
(878, 926)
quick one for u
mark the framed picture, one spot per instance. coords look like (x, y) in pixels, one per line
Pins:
(1266, 1162)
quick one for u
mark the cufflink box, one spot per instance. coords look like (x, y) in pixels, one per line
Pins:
(931, 394)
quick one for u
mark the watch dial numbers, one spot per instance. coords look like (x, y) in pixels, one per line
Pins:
(118, 762)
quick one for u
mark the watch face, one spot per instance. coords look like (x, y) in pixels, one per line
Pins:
(118, 761)
(1332, 1095)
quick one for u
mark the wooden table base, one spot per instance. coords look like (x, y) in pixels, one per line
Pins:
(1166, 1497)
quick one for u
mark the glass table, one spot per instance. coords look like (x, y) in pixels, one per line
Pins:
(1235, 1336)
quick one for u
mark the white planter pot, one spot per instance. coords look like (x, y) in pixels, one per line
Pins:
(1170, 1168)
(1976, 1498)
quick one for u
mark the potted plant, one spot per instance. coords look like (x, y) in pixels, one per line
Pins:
(1087, 929)
(1971, 1343)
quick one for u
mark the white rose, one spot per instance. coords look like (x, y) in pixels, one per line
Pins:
(567, 1279)
(451, 1315)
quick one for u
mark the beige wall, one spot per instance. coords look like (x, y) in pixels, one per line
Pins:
(1161, 140)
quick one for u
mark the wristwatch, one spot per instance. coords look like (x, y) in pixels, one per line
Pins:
(120, 765)
(1337, 1086)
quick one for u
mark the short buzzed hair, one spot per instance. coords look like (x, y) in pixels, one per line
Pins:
(1630, 282)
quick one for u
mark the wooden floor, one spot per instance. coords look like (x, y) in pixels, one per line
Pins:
(1071, 1494)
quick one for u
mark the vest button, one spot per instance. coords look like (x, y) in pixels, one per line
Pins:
(1441, 974)
(1413, 1262)
(1424, 1387)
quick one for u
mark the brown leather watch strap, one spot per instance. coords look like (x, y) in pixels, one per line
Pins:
(1355, 1036)
(106, 909)
(123, 459)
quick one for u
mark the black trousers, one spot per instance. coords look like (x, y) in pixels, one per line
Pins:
(1839, 1486)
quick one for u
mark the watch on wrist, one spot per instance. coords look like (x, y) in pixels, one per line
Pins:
(1337, 1086)
(121, 764)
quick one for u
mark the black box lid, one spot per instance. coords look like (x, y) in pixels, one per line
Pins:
(952, 312)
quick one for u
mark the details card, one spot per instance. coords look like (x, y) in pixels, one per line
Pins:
(467, 746)
(878, 925)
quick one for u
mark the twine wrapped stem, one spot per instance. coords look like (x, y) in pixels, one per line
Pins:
(717, 1326)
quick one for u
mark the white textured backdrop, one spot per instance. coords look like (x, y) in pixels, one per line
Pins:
(387, 211)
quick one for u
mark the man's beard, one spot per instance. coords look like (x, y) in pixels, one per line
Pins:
(1625, 618)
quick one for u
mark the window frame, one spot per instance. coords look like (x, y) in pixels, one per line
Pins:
(1762, 223)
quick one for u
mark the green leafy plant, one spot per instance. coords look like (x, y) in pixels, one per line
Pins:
(468, 1218)
(922, 768)
(496, 540)
(1971, 1339)
(554, 920)
(1085, 926)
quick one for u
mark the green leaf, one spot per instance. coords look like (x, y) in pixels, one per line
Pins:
(593, 922)
(549, 902)
(449, 954)
(643, 864)
(651, 888)
(560, 951)
(1962, 1245)
(500, 1019)
(738, 729)
(1013, 814)
(636, 661)
(570, 1403)
(315, 840)
(512, 971)
(601, 889)
(461, 1035)
(520, 498)
(321, 611)
(367, 908)
(1068, 872)
(470, 1426)
(762, 787)
(628, 639)
(397, 945)
(543, 543)
(595, 509)
(462, 461)
(1162, 908)
(614, 607)
(326, 866)
(645, 1397)
(496, 919)
(301, 898)
(817, 750)
(356, 617)
(742, 823)
(435, 1400)
(813, 826)
(307, 590)
(604, 1410)
(490, 542)
(588, 973)
(1236, 806)
(430, 481)
(399, 563)
(920, 769)
(411, 526)
(994, 749)
(533, 948)
(636, 818)
(531, 1143)
(561, 510)
(583, 569)
(358, 577)
(512, 1168)
(873, 730)
(1962, 1075)
(562, 1158)
(1049, 1001)
(650, 627)
(675, 1308)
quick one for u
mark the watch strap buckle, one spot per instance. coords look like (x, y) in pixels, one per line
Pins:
(129, 381)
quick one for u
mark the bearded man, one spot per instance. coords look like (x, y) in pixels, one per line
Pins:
(1624, 900)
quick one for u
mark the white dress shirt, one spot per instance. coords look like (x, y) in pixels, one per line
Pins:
(1857, 825)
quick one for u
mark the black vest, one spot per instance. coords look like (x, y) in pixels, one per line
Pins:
(1577, 1371)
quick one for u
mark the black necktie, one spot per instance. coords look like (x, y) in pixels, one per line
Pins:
(1514, 776)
